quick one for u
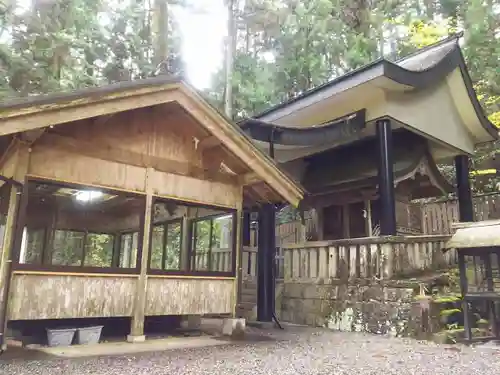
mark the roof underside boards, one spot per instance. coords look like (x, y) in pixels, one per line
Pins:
(428, 92)
(29, 114)
(330, 172)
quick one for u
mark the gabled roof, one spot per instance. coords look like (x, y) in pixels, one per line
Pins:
(418, 71)
(26, 114)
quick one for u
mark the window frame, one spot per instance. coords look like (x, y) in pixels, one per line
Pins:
(190, 249)
(47, 267)
(165, 224)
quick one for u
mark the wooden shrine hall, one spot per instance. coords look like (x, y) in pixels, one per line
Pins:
(367, 140)
(125, 201)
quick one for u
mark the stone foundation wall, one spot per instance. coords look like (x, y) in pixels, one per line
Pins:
(374, 307)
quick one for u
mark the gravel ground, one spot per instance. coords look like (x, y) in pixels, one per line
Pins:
(296, 351)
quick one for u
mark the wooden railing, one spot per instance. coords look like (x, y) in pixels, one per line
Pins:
(372, 257)
(249, 262)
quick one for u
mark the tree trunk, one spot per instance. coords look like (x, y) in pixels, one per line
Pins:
(160, 35)
(229, 60)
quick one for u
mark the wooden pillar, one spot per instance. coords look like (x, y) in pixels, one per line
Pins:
(238, 229)
(386, 178)
(246, 228)
(369, 225)
(265, 263)
(346, 221)
(186, 237)
(465, 207)
(138, 315)
(10, 240)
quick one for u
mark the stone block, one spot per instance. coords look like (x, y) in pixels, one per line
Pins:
(404, 295)
(374, 293)
(136, 339)
(234, 327)
(293, 290)
(191, 322)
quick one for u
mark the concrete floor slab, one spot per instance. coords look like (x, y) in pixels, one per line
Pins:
(122, 348)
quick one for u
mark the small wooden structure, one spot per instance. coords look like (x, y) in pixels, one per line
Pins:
(125, 201)
(478, 247)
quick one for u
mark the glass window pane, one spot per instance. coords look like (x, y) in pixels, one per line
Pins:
(99, 250)
(222, 244)
(201, 240)
(32, 246)
(173, 251)
(157, 246)
(128, 250)
(67, 248)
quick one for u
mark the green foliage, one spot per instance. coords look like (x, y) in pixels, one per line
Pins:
(69, 44)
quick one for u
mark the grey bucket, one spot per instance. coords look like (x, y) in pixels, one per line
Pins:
(60, 337)
(88, 335)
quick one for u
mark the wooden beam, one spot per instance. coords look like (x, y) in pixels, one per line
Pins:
(220, 155)
(31, 136)
(9, 152)
(118, 155)
(249, 179)
(208, 143)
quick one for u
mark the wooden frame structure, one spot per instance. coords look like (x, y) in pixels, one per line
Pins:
(478, 253)
(155, 141)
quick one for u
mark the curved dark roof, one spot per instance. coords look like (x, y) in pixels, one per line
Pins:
(334, 130)
(418, 70)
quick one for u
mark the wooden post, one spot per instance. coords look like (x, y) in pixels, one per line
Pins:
(238, 239)
(9, 241)
(246, 228)
(346, 228)
(137, 327)
(464, 289)
(369, 225)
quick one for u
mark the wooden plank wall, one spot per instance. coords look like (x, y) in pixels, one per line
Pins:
(116, 155)
(71, 296)
(437, 217)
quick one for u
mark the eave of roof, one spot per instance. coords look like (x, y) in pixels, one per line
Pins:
(426, 76)
(340, 128)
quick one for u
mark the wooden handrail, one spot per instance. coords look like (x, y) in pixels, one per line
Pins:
(368, 241)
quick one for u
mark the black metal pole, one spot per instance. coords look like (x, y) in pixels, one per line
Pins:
(386, 178)
(463, 188)
(265, 263)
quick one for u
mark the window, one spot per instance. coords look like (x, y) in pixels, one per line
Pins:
(80, 227)
(128, 250)
(99, 250)
(212, 244)
(67, 248)
(166, 246)
(32, 245)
